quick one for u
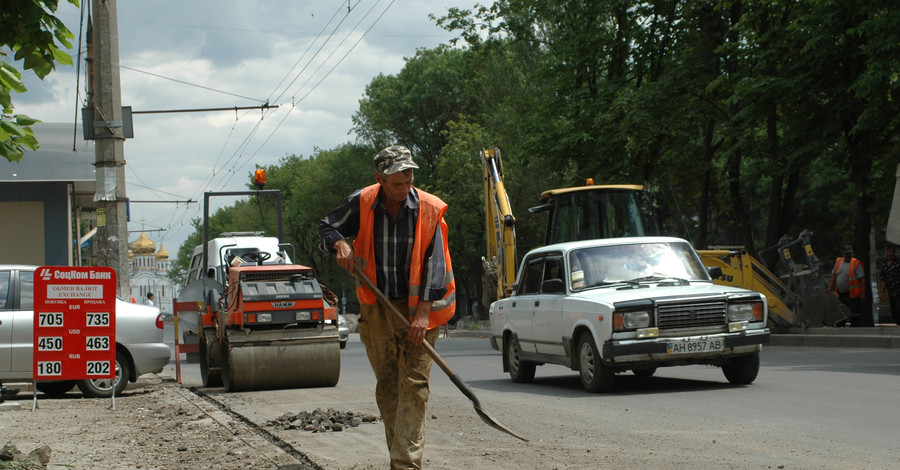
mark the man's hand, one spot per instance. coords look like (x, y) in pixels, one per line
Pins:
(345, 256)
(419, 324)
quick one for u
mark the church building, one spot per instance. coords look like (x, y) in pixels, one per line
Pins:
(149, 270)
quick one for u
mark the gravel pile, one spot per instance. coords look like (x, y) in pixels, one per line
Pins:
(321, 420)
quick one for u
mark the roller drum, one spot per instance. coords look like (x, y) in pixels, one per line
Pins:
(210, 359)
(256, 364)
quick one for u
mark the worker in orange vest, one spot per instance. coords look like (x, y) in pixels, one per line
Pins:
(848, 281)
(400, 244)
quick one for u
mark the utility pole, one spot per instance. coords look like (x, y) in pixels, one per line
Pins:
(106, 100)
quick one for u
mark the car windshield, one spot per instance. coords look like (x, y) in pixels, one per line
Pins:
(635, 262)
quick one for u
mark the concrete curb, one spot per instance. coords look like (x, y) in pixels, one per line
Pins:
(880, 337)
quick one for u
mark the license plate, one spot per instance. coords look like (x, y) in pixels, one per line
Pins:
(695, 346)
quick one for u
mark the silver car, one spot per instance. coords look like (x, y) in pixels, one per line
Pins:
(343, 331)
(139, 339)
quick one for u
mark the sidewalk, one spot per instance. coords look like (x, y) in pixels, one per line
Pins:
(879, 337)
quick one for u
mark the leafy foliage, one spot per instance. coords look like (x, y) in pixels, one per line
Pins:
(30, 32)
(748, 120)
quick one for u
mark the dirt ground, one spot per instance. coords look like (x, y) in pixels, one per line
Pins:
(156, 424)
(649, 423)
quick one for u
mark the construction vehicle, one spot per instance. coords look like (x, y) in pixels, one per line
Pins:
(797, 298)
(606, 211)
(263, 322)
(576, 213)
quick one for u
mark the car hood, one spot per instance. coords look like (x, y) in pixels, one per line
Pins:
(621, 293)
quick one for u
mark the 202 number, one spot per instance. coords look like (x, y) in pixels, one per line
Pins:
(98, 368)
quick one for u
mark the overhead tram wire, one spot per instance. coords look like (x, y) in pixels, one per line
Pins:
(330, 54)
(236, 156)
(192, 84)
(293, 104)
(288, 74)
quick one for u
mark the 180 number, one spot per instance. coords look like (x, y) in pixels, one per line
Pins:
(49, 368)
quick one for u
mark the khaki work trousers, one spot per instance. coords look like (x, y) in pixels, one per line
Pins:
(402, 371)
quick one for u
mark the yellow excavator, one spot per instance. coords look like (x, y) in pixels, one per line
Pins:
(576, 213)
(798, 298)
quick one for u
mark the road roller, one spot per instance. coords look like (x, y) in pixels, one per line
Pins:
(263, 322)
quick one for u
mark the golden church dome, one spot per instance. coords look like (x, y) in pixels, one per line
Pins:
(162, 253)
(143, 245)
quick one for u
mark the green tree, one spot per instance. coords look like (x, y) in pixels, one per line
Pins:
(413, 108)
(30, 31)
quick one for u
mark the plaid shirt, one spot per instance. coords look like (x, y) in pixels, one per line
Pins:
(890, 275)
(393, 244)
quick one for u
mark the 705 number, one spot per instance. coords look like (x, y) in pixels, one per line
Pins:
(50, 319)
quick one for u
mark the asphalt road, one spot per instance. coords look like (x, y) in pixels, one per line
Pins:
(809, 408)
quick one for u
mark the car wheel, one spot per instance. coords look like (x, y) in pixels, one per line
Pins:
(742, 370)
(519, 371)
(55, 389)
(644, 372)
(103, 388)
(596, 377)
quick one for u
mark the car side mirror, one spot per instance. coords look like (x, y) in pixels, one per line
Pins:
(553, 286)
(715, 272)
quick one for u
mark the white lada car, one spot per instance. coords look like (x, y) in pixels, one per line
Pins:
(607, 306)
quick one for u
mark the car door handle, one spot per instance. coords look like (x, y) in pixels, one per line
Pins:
(537, 303)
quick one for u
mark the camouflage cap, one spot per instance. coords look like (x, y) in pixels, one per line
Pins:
(394, 159)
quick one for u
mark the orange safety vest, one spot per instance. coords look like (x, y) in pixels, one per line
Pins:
(855, 283)
(431, 213)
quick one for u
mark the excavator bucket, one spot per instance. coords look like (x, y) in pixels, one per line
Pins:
(798, 299)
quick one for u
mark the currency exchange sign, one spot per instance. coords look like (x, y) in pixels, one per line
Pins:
(74, 323)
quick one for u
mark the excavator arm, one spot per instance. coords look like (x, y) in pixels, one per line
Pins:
(500, 262)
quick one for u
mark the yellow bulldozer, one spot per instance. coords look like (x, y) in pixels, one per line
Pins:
(798, 297)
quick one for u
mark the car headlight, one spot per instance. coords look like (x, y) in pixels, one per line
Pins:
(749, 312)
(631, 320)
(304, 315)
(264, 317)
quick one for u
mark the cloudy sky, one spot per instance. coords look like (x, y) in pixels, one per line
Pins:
(311, 58)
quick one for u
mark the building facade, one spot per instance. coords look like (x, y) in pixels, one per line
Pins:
(149, 273)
